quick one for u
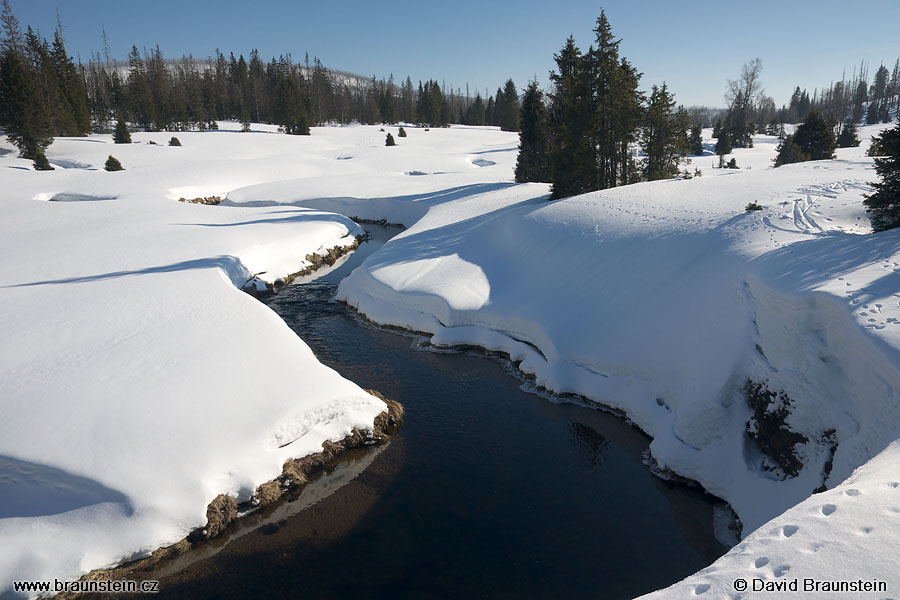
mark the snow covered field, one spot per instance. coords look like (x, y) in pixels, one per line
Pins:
(138, 382)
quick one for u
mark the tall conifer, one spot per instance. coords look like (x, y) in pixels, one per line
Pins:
(22, 112)
(661, 136)
(533, 161)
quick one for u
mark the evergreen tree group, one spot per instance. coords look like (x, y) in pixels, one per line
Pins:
(41, 91)
(588, 136)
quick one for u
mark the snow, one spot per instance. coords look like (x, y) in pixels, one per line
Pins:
(137, 382)
(153, 384)
(661, 300)
(846, 534)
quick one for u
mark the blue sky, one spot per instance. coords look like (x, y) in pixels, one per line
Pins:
(694, 46)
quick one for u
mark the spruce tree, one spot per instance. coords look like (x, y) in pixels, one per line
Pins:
(789, 152)
(112, 164)
(41, 163)
(660, 137)
(533, 163)
(508, 107)
(174, 141)
(401, 133)
(616, 109)
(22, 113)
(695, 141)
(848, 137)
(121, 134)
(572, 160)
(883, 205)
(71, 89)
(723, 145)
(815, 137)
(389, 140)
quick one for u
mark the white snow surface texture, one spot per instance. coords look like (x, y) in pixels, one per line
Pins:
(662, 300)
(138, 382)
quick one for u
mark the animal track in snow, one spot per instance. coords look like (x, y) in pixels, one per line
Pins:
(789, 530)
(828, 509)
(780, 571)
(701, 589)
(760, 562)
(852, 492)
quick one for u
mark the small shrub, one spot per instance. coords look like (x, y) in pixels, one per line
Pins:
(698, 172)
(426, 129)
(732, 164)
(401, 133)
(753, 206)
(152, 143)
(207, 200)
(112, 164)
(41, 163)
(389, 140)
(174, 141)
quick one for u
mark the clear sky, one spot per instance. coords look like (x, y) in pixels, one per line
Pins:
(694, 46)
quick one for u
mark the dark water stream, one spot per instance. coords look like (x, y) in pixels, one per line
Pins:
(487, 491)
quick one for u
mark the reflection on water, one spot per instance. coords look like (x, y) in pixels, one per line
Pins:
(487, 491)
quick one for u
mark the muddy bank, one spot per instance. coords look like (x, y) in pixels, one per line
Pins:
(257, 287)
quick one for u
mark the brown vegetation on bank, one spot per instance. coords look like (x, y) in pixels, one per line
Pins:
(224, 510)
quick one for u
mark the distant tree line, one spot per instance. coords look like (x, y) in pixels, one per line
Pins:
(45, 93)
(843, 105)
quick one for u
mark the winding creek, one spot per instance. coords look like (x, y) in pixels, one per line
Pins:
(487, 490)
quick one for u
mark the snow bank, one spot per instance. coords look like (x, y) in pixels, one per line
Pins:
(832, 544)
(129, 345)
(136, 381)
(662, 300)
